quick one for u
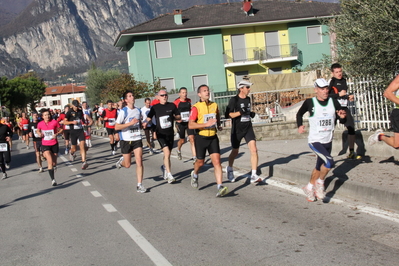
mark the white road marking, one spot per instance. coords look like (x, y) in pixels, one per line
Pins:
(393, 217)
(63, 158)
(96, 194)
(79, 176)
(86, 183)
(146, 246)
(109, 208)
(74, 169)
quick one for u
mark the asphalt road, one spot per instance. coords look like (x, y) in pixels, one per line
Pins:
(96, 217)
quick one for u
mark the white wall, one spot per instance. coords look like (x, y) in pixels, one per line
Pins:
(63, 98)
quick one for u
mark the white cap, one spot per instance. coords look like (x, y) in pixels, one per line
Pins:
(244, 83)
(321, 83)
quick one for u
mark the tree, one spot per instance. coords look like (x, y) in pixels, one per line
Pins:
(126, 82)
(366, 38)
(96, 82)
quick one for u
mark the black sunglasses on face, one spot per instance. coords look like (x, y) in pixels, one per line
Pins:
(163, 95)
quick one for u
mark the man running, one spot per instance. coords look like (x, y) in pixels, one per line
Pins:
(87, 112)
(205, 118)
(24, 125)
(165, 113)
(109, 115)
(391, 93)
(129, 124)
(49, 129)
(239, 109)
(149, 126)
(323, 112)
(66, 128)
(338, 89)
(75, 118)
(5, 154)
(37, 141)
(183, 104)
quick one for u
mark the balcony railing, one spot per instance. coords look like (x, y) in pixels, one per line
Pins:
(275, 53)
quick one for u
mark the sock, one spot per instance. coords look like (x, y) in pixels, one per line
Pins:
(229, 168)
(51, 172)
(195, 176)
(319, 181)
(138, 184)
(112, 146)
(253, 172)
(219, 186)
(309, 186)
(115, 144)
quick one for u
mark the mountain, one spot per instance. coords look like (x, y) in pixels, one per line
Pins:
(66, 36)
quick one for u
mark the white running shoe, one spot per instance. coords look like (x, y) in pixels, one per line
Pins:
(4, 176)
(255, 179)
(319, 191)
(113, 152)
(150, 151)
(373, 139)
(141, 189)
(119, 163)
(222, 191)
(85, 165)
(164, 174)
(309, 194)
(40, 170)
(230, 174)
(7, 165)
(194, 181)
(66, 151)
(170, 178)
(179, 155)
(53, 183)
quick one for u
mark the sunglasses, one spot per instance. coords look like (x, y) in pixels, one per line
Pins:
(163, 95)
(248, 87)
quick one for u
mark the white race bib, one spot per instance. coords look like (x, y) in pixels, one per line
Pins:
(25, 126)
(343, 102)
(111, 121)
(185, 116)
(34, 130)
(3, 147)
(78, 125)
(48, 134)
(207, 117)
(245, 118)
(165, 123)
(325, 123)
(67, 127)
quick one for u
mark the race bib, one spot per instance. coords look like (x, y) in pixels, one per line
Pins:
(25, 126)
(78, 125)
(111, 121)
(134, 133)
(165, 122)
(324, 123)
(245, 118)
(343, 102)
(185, 116)
(3, 147)
(48, 134)
(67, 127)
(34, 130)
(210, 116)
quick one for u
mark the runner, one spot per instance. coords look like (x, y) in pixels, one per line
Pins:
(99, 112)
(66, 128)
(24, 125)
(129, 124)
(75, 118)
(183, 104)
(87, 112)
(391, 93)
(323, 112)
(239, 109)
(205, 118)
(17, 128)
(165, 113)
(150, 127)
(8, 123)
(49, 129)
(338, 90)
(37, 141)
(109, 115)
(5, 154)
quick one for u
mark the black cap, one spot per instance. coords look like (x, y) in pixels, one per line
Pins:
(75, 102)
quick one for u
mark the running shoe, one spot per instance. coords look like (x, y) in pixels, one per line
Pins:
(319, 191)
(222, 191)
(72, 156)
(141, 189)
(309, 194)
(164, 174)
(194, 181)
(4, 176)
(255, 179)
(85, 165)
(66, 151)
(359, 157)
(53, 183)
(170, 178)
(179, 155)
(7, 165)
(119, 163)
(230, 174)
(373, 139)
(113, 152)
(40, 170)
(351, 155)
(150, 151)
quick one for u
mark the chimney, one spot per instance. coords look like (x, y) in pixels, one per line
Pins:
(178, 17)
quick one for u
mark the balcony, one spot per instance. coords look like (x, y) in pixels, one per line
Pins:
(260, 55)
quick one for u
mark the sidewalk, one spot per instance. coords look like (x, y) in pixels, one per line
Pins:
(371, 180)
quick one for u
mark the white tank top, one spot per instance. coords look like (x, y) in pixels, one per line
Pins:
(321, 124)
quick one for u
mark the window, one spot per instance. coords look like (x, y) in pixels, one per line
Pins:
(199, 80)
(162, 49)
(169, 84)
(54, 103)
(196, 46)
(314, 34)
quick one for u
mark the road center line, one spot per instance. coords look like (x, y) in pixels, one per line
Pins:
(146, 246)
(96, 194)
(109, 207)
(86, 183)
